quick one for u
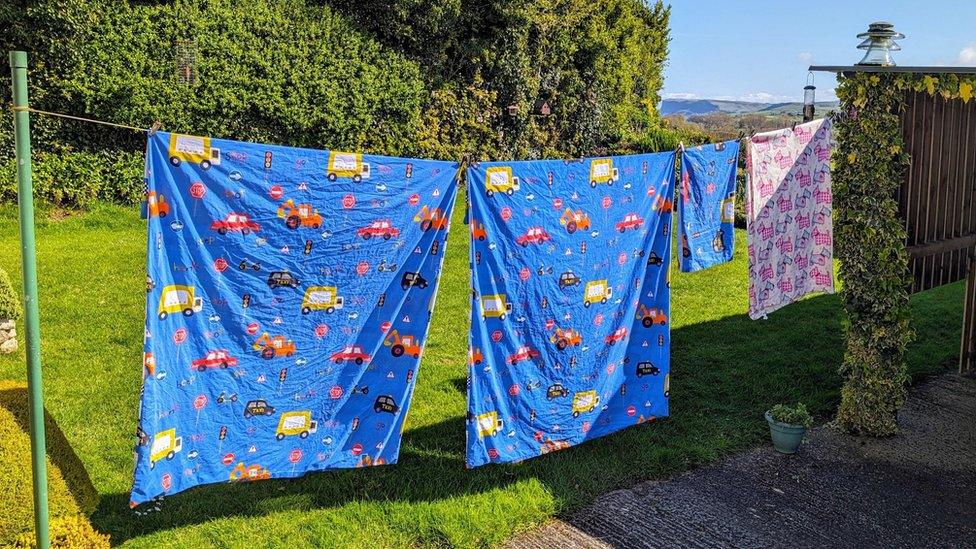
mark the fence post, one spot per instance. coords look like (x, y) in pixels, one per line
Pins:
(25, 200)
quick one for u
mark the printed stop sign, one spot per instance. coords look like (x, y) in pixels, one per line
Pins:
(197, 190)
(295, 456)
(276, 192)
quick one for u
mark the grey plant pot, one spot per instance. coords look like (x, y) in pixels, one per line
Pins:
(786, 437)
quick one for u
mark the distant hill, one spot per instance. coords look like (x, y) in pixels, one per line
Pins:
(688, 107)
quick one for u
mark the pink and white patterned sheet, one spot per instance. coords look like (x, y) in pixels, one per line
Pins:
(789, 216)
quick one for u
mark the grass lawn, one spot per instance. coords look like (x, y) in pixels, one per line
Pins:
(726, 370)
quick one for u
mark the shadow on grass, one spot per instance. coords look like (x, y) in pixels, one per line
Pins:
(726, 373)
(59, 451)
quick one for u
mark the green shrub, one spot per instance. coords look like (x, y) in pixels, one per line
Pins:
(10, 306)
(797, 415)
(72, 532)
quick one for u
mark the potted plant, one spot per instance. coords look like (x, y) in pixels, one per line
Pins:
(787, 425)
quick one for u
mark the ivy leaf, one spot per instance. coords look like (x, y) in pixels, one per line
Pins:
(930, 82)
(965, 91)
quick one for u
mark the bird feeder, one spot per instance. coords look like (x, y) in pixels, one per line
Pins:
(879, 41)
(809, 99)
(513, 109)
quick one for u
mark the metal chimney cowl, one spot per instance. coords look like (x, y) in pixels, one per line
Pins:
(879, 41)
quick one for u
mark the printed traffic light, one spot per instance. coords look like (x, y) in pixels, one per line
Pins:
(267, 160)
(223, 432)
(246, 301)
(283, 375)
(308, 247)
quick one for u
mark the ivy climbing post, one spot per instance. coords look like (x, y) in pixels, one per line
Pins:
(869, 165)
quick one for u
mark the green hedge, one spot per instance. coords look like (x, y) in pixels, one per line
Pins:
(422, 78)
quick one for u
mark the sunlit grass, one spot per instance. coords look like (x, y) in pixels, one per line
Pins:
(726, 370)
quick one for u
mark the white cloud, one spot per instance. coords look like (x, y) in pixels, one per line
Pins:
(765, 97)
(804, 58)
(680, 95)
(967, 57)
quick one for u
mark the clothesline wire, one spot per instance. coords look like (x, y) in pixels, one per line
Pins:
(79, 118)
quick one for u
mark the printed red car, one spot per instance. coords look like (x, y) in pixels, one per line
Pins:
(619, 334)
(235, 222)
(522, 353)
(214, 359)
(352, 353)
(381, 228)
(631, 221)
(535, 235)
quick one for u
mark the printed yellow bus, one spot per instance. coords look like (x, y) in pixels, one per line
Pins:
(296, 423)
(346, 164)
(597, 291)
(489, 424)
(177, 298)
(499, 179)
(193, 149)
(584, 402)
(322, 298)
(165, 445)
(602, 171)
(495, 306)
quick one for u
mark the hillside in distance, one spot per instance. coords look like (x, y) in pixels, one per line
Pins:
(690, 107)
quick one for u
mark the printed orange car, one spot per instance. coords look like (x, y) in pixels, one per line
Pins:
(475, 356)
(478, 231)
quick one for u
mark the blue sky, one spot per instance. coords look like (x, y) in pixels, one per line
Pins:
(760, 51)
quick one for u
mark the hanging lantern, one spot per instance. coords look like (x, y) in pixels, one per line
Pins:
(809, 99)
(879, 41)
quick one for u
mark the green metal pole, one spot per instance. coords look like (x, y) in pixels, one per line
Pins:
(25, 198)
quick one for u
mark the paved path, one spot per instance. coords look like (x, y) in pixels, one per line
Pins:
(917, 489)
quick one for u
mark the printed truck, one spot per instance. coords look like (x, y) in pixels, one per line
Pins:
(553, 445)
(630, 221)
(651, 316)
(566, 338)
(534, 235)
(597, 291)
(322, 298)
(178, 298)
(354, 353)
(165, 445)
(602, 171)
(192, 149)
(574, 221)
(495, 306)
(401, 345)
(478, 231)
(381, 228)
(489, 424)
(431, 218)
(522, 353)
(499, 179)
(584, 402)
(271, 347)
(214, 359)
(302, 215)
(343, 164)
(158, 207)
(296, 423)
(475, 356)
(235, 222)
